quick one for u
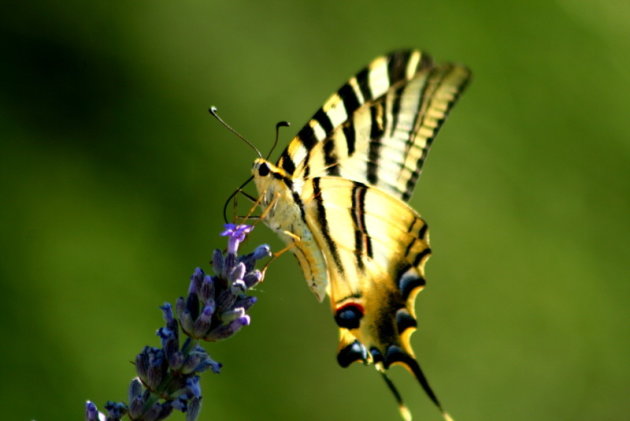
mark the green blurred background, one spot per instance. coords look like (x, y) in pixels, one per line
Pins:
(113, 177)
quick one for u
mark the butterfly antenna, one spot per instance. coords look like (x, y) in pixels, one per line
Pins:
(234, 193)
(213, 110)
(275, 142)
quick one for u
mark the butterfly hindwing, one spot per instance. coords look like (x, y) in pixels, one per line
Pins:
(374, 260)
(376, 269)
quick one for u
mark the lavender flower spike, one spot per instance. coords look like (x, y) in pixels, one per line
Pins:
(215, 308)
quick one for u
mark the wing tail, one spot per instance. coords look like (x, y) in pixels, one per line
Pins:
(396, 355)
(402, 408)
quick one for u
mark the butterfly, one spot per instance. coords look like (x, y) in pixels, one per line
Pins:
(338, 196)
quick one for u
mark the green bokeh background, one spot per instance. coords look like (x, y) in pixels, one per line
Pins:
(113, 177)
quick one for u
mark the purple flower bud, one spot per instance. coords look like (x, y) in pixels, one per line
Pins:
(203, 322)
(195, 280)
(167, 312)
(228, 264)
(171, 323)
(193, 387)
(261, 252)
(238, 287)
(142, 363)
(155, 377)
(237, 272)
(208, 363)
(249, 260)
(170, 338)
(230, 315)
(194, 408)
(176, 360)
(180, 307)
(115, 410)
(207, 288)
(225, 331)
(192, 305)
(187, 322)
(236, 234)
(191, 363)
(158, 411)
(199, 361)
(151, 367)
(164, 333)
(252, 278)
(225, 301)
(215, 366)
(217, 261)
(135, 389)
(181, 403)
(170, 345)
(91, 412)
(208, 310)
(136, 407)
(245, 302)
(137, 398)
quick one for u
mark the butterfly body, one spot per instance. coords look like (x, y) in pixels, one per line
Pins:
(338, 195)
(282, 204)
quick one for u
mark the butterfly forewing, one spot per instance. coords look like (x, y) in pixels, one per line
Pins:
(378, 127)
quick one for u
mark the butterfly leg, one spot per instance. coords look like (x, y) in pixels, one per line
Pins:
(295, 239)
(248, 196)
(234, 196)
(249, 216)
(270, 205)
(275, 256)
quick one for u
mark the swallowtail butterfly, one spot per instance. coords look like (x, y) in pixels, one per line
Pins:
(338, 196)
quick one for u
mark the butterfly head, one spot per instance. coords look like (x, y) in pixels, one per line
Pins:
(270, 180)
(262, 168)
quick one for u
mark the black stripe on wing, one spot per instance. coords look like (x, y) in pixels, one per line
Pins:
(350, 135)
(363, 80)
(350, 99)
(323, 222)
(362, 240)
(367, 85)
(330, 158)
(376, 134)
(397, 65)
(286, 163)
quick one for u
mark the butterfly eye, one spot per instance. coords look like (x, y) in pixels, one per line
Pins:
(263, 170)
